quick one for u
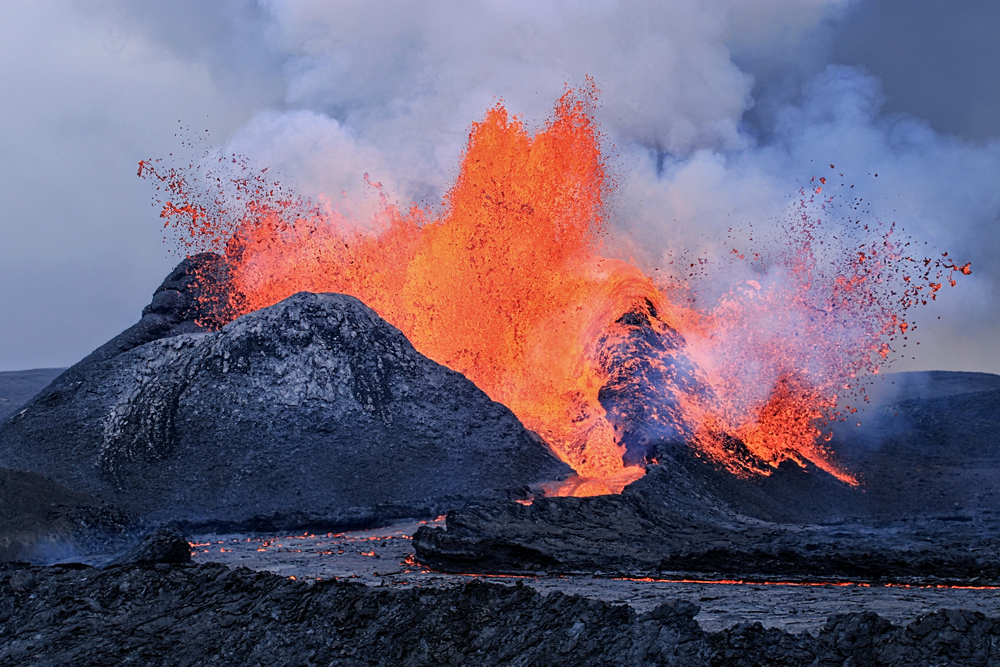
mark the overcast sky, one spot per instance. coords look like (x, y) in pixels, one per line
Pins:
(720, 110)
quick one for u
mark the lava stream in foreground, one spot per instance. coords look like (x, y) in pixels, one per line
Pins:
(507, 284)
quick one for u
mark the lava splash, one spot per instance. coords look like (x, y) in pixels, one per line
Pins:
(508, 283)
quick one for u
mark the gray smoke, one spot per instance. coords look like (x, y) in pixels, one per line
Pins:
(719, 112)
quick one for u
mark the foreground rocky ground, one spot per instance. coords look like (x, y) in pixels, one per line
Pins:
(177, 614)
(384, 558)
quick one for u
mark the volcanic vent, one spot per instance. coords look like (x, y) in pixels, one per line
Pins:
(512, 283)
(240, 396)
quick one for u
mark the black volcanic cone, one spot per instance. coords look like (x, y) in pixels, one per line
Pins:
(308, 411)
(649, 379)
(927, 510)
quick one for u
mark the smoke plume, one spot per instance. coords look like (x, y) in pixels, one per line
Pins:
(714, 114)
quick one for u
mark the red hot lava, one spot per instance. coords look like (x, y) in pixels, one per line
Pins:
(507, 284)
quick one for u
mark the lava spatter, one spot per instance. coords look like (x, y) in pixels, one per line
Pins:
(508, 283)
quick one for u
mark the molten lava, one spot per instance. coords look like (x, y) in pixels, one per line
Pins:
(508, 285)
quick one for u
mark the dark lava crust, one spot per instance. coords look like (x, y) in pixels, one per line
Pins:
(209, 614)
(656, 529)
(927, 511)
(41, 521)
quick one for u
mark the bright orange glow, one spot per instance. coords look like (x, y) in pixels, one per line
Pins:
(508, 285)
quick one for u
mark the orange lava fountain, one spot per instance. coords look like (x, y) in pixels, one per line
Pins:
(507, 285)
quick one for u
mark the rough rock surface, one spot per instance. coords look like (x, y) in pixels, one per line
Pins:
(41, 521)
(209, 614)
(163, 545)
(928, 509)
(300, 413)
(665, 525)
(647, 373)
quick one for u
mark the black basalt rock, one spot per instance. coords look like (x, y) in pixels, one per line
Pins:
(679, 521)
(43, 522)
(163, 545)
(314, 407)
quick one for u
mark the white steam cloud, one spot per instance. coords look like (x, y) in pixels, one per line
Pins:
(719, 112)
(408, 79)
(390, 88)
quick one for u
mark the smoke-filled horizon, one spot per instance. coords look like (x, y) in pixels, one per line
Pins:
(717, 113)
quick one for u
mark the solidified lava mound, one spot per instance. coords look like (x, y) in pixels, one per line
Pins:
(314, 410)
(209, 614)
(670, 525)
(928, 509)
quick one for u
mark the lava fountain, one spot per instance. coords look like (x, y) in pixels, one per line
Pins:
(507, 284)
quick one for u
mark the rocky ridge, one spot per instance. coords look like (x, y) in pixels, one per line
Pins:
(659, 527)
(210, 614)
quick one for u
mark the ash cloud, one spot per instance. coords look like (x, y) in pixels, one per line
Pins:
(718, 113)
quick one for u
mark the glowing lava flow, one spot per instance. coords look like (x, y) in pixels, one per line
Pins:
(832, 584)
(507, 285)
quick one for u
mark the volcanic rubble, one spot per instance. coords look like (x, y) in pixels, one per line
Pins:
(173, 614)
(316, 414)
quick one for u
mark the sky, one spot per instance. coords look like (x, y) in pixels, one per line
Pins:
(719, 112)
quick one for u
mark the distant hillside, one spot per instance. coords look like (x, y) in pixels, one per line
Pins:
(18, 387)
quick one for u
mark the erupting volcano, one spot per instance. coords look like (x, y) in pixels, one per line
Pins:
(511, 282)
